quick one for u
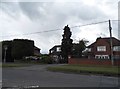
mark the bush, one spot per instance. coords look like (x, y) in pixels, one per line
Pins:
(45, 59)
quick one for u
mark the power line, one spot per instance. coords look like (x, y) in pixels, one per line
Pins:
(115, 20)
(89, 24)
(60, 29)
(33, 33)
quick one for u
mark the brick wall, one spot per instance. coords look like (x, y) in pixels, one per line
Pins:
(92, 61)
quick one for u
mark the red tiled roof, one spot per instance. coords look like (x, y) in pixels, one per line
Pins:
(115, 41)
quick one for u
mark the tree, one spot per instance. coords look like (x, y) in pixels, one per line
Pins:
(66, 45)
(78, 48)
(21, 48)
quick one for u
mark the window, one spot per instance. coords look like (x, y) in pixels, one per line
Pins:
(101, 56)
(58, 49)
(52, 51)
(101, 48)
(116, 48)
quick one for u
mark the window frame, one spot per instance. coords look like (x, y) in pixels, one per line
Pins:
(101, 48)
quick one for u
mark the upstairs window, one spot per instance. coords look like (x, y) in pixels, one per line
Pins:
(116, 48)
(51, 51)
(58, 49)
(101, 48)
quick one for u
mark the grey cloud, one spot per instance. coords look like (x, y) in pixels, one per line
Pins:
(53, 12)
(34, 10)
(86, 13)
(30, 9)
(49, 16)
(11, 8)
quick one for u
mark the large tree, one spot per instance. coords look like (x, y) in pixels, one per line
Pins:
(78, 48)
(66, 45)
(21, 48)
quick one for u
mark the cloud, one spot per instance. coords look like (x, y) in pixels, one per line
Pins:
(30, 17)
(12, 9)
(32, 9)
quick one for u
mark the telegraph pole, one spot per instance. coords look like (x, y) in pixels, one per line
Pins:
(111, 44)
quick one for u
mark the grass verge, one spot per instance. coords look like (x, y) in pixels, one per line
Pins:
(89, 69)
(5, 65)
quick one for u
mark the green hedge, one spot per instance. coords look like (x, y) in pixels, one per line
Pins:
(21, 48)
(46, 59)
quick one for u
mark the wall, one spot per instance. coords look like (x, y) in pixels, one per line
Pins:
(92, 61)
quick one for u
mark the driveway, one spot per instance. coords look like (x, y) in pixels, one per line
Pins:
(38, 76)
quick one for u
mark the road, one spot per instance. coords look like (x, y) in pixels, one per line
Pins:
(0, 77)
(38, 76)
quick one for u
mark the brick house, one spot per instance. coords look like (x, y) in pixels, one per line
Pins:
(99, 53)
(101, 49)
(55, 53)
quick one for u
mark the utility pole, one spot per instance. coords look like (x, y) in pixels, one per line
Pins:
(111, 44)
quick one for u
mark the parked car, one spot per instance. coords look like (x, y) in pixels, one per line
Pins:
(31, 58)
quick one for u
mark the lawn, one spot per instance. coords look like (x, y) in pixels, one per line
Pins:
(105, 70)
(19, 64)
(4, 65)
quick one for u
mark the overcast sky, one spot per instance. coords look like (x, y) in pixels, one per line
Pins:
(18, 18)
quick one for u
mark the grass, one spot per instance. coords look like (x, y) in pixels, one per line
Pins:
(5, 65)
(20, 64)
(105, 70)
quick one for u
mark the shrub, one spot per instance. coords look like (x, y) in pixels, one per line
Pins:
(45, 59)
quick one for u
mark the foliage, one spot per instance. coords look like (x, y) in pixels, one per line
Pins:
(78, 48)
(14, 65)
(21, 48)
(45, 59)
(66, 44)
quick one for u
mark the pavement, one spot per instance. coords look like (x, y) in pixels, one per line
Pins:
(38, 76)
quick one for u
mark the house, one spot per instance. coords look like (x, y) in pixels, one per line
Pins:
(55, 53)
(101, 49)
(99, 53)
(36, 50)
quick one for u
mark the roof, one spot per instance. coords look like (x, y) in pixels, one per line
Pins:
(36, 48)
(55, 47)
(91, 45)
(115, 41)
(74, 44)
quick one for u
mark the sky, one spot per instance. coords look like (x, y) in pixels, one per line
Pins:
(20, 18)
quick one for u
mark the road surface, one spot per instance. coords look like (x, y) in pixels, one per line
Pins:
(38, 76)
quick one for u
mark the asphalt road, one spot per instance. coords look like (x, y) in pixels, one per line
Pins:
(38, 76)
(0, 77)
